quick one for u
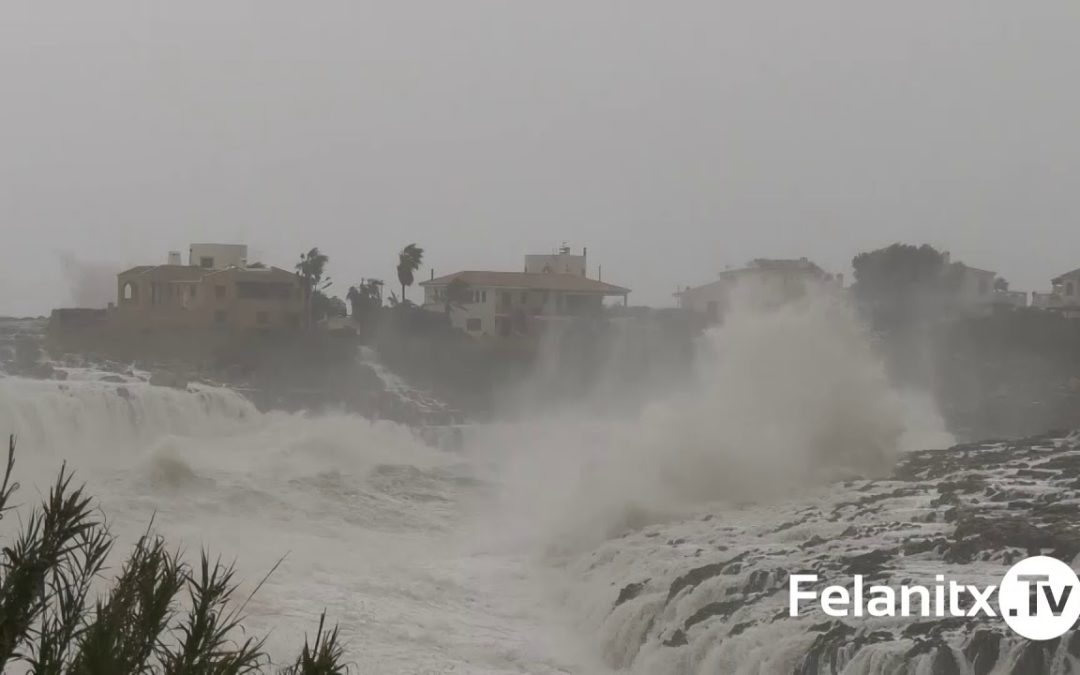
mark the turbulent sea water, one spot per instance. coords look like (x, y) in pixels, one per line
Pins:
(656, 543)
(375, 526)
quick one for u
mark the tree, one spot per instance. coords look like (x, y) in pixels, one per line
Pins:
(1001, 285)
(457, 294)
(365, 298)
(310, 269)
(161, 616)
(323, 306)
(409, 261)
(901, 283)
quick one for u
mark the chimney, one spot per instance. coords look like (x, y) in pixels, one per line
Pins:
(174, 258)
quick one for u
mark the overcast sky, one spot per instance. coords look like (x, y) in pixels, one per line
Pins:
(671, 138)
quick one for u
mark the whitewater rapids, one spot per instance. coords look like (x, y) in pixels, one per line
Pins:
(376, 527)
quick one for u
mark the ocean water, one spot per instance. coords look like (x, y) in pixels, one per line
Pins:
(371, 524)
(505, 554)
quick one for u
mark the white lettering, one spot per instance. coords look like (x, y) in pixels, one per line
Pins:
(795, 595)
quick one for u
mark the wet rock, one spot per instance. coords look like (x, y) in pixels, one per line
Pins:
(629, 592)
(824, 655)
(869, 563)
(713, 609)
(945, 662)
(700, 574)
(1033, 660)
(982, 651)
(163, 378)
(812, 542)
(995, 503)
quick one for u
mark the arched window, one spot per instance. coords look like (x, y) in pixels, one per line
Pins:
(128, 292)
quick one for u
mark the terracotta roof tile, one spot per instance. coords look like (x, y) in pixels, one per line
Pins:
(521, 280)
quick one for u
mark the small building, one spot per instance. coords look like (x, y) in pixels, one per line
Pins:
(766, 282)
(216, 256)
(973, 289)
(978, 292)
(516, 303)
(1064, 295)
(207, 294)
(562, 262)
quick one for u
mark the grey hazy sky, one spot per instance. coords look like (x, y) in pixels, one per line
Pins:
(671, 138)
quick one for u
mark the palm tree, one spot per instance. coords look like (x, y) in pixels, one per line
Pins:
(365, 297)
(408, 262)
(310, 270)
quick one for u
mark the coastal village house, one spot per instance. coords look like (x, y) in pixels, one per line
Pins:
(973, 291)
(766, 282)
(504, 304)
(1064, 295)
(217, 288)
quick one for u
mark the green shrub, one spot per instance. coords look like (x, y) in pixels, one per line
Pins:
(160, 616)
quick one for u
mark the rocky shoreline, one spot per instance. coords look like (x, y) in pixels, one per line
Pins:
(711, 595)
(353, 382)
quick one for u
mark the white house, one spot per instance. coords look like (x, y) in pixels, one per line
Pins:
(973, 289)
(766, 282)
(1064, 295)
(516, 303)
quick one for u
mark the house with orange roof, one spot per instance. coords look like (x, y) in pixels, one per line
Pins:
(505, 304)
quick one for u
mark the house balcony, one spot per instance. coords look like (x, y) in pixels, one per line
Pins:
(1056, 301)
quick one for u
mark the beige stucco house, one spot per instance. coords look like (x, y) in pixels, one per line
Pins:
(204, 295)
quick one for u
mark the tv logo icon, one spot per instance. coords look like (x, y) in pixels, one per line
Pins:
(1039, 598)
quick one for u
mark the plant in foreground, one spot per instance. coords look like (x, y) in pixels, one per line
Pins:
(160, 616)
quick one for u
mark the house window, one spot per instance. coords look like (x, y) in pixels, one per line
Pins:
(505, 297)
(1069, 288)
(221, 316)
(129, 291)
(206, 262)
(262, 318)
(219, 292)
(524, 297)
(473, 325)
